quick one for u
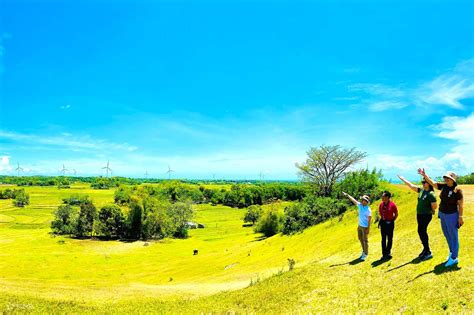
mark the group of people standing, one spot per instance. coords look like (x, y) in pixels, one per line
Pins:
(450, 214)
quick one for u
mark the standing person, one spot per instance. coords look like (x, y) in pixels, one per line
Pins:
(365, 218)
(450, 211)
(388, 214)
(425, 209)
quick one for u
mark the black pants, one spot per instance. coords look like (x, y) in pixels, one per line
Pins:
(423, 222)
(386, 228)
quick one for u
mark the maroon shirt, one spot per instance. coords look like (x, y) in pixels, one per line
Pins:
(388, 211)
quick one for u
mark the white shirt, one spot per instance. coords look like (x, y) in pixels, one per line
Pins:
(364, 214)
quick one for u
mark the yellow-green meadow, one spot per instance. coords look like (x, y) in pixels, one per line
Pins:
(235, 270)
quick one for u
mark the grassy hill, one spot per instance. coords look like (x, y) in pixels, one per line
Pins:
(235, 270)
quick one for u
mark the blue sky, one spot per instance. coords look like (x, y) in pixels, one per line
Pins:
(234, 88)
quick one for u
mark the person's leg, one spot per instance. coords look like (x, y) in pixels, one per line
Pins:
(366, 241)
(383, 232)
(426, 238)
(452, 225)
(390, 228)
(445, 229)
(423, 221)
(361, 239)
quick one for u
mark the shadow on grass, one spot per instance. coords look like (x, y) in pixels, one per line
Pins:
(260, 238)
(438, 270)
(411, 262)
(352, 263)
(380, 261)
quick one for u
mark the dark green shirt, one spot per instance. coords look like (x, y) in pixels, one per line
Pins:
(425, 198)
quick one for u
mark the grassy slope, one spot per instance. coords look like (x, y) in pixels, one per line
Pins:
(38, 273)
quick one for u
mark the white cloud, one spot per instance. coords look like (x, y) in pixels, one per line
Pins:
(5, 166)
(65, 106)
(377, 89)
(460, 158)
(67, 141)
(385, 105)
(448, 89)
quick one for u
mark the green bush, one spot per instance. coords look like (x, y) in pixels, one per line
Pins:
(111, 221)
(65, 220)
(466, 180)
(270, 223)
(312, 210)
(22, 198)
(253, 214)
(85, 221)
(76, 200)
(358, 183)
(134, 220)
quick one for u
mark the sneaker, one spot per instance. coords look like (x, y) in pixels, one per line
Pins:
(451, 262)
(449, 257)
(363, 256)
(422, 254)
(427, 255)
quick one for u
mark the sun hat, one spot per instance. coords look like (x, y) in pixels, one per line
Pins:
(451, 175)
(366, 198)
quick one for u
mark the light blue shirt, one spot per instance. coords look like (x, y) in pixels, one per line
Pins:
(364, 214)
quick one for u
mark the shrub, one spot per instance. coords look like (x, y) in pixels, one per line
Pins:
(358, 183)
(76, 200)
(111, 221)
(65, 220)
(85, 221)
(134, 220)
(270, 223)
(312, 210)
(180, 213)
(253, 214)
(22, 198)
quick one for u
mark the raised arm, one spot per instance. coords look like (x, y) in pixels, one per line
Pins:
(409, 184)
(355, 202)
(422, 172)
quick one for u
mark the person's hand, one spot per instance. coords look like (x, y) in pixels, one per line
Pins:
(367, 232)
(421, 171)
(433, 211)
(460, 222)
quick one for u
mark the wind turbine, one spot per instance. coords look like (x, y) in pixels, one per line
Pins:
(107, 169)
(213, 176)
(64, 170)
(262, 176)
(74, 172)
(169, 172)
(146, 174)
(18, 169)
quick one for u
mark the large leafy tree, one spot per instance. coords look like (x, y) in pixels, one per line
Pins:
(326, 164)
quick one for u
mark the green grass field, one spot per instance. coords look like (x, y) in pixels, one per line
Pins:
(235, 271)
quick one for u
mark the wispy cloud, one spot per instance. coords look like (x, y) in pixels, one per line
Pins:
(460, 158)
(377, 89)
(448, 89)
(385, 105)
(67, 141)
(65, 106)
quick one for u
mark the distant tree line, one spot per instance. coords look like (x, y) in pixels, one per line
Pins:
(466, 179)
(115, 181)
(238, 196)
